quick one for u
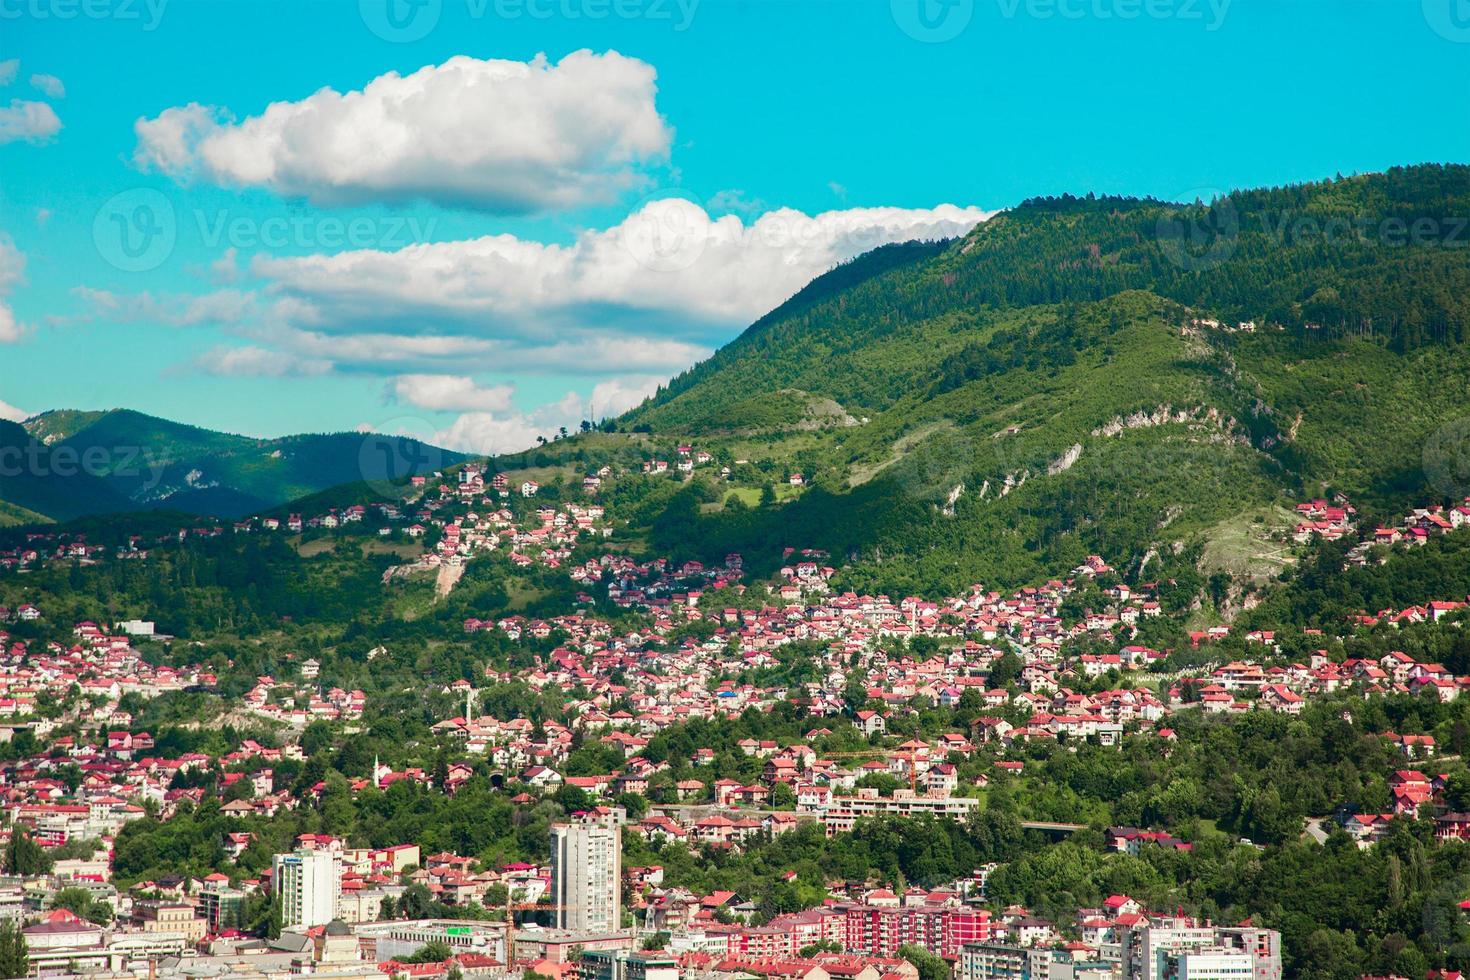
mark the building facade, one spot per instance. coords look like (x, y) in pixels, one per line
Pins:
(586, 876)
(1186, 949)
(306, 885)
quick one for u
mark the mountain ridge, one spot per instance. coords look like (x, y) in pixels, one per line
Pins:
(76, 463)
(1276, 342)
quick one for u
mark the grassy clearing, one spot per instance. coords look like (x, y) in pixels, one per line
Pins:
(863, 473)
(1242, 545)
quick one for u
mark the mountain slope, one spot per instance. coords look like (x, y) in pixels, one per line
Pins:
(1059, 383)
(35, 481)
(137, 462)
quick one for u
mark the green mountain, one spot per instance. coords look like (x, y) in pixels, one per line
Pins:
(1073, 378)
(120, 460)
(37, 484)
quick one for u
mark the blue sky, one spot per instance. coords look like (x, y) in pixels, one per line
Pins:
(477, 234)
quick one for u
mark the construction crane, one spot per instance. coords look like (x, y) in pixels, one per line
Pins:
(511, 908)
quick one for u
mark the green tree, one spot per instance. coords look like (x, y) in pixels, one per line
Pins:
(433, 951)
(14, 955)
(1004, 671)
(78, 901)
(1331, 955)
(930, 967)
(24, 857)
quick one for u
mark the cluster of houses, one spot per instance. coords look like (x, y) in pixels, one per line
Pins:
(1413, 795)
(300, 704)
(1330, 521)
(1416, 527)
(687, 458)
(100, 664)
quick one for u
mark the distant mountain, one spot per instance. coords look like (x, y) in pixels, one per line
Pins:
(37, 483)
(76, 463)
(1096, 375)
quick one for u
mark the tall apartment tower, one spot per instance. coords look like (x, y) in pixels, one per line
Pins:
(306, 884)
(587, 876)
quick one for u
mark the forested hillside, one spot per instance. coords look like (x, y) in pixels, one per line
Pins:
(72, 463)
(1095, 375)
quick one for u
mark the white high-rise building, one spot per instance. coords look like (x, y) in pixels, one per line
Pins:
(587, 876)
(306, 885)
(1178, 948)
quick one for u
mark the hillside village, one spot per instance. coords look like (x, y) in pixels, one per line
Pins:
(1025, 668)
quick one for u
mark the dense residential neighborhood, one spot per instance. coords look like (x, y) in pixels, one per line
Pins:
(908, 709)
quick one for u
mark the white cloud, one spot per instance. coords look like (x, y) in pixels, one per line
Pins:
(504, 136)
(620, 394)
(12, 271)
(668, 267)
(43, 215)
(486, 434)
(49, 86)
(483, 434)
(490, 432)
(450, 393)
(225, 270)
(224, 306)
(257, 362)
(627, 306)
(9, 412)
(170, 141)
(736, 201)
(8, 70)
(33, 122)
